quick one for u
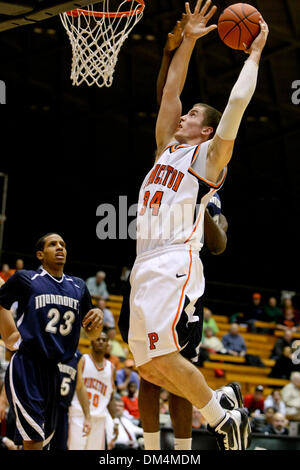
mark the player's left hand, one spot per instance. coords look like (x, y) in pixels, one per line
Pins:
(175, 37)
(93, 319)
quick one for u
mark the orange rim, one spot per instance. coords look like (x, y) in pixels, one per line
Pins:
(100, 14)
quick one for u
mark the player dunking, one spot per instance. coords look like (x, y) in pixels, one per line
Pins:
(53, 307)
(167, 277)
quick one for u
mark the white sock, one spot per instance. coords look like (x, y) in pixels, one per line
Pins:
(213, 411)
(182, 444)
(152, 440)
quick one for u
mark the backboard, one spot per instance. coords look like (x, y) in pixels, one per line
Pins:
(24, 12)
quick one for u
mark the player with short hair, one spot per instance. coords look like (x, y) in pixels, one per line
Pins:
(167, 278)
(52, 308)
(98, 375)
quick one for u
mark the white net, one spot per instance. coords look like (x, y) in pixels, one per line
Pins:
(96, 35)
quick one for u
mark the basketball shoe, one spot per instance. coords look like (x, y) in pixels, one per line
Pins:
(230, 396)
(232, 432)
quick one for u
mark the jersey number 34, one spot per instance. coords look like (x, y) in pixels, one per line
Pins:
(154, 203)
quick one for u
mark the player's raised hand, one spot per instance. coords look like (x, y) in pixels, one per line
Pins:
(259, 42)
(196, 22)
(175, 37)
(93, 320)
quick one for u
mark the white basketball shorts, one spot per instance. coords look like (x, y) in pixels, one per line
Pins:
(165, 286)
(95, 440)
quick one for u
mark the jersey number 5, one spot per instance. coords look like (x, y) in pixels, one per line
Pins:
(154, 203)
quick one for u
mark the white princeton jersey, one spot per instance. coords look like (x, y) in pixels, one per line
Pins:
(99, 385)
(173, 198)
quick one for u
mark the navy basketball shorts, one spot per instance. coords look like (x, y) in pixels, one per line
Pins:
(166, 286)
(60, 438)
(33, 392)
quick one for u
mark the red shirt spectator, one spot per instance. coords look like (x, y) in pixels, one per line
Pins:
(5, 272)
(130, 401)
(255, 401)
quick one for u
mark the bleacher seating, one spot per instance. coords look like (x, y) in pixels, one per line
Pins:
(234, 367)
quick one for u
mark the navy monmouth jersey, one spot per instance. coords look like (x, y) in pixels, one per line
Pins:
(214, 207)
(50, 312)
(68, 377)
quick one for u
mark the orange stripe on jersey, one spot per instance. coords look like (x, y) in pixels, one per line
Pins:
(180, 301)
(195, 153)
(174, 147)
(213, 185)
(196, 225)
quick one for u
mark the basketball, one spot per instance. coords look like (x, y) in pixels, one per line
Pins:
(238, 24)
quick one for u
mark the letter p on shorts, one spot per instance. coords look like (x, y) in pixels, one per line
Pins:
(153, 338)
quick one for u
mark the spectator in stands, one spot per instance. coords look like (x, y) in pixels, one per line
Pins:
(288, 320)
(128, 432)
(260, 423)
(278, 426)
(197, 419)
(285, 340)
(283, 366)
(131, 402)
(97, 286)
(255, 312)
(164, 401)
(115, 360)
(271, 311)
(116, 348)
(269, 413)
(124, 279)
(288, 303)
(18, 266)
(211, 343)
(108, 319)
(5, 272)
(233, 342)
(291, 397)
(126, 375)
(275, 401)
(208, 320)
(254, 402)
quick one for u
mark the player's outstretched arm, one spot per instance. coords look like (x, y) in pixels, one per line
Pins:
(93, 323)
(173, 42)
(171, 108)
(221, 146)
(8, 330)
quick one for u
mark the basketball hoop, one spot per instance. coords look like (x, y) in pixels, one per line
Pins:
(96, 38)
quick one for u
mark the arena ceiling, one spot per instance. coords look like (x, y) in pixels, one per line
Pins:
(81, 146)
